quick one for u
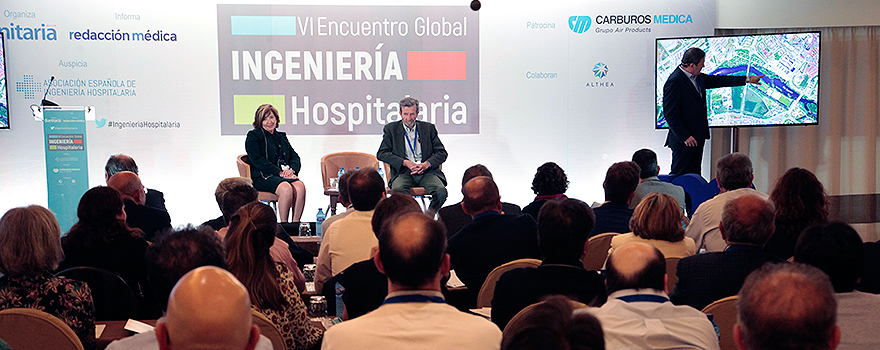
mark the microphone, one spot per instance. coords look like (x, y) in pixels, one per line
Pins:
(46, 102)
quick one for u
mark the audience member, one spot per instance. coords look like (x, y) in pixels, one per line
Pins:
(800, 203)
(734, 175)
(208, 309)
(271, 285)
(638, 313)
(564, 227)
(870, 282)
(454, 217)
(30, 249)
(414, 314)
(620, 184)
(349, 239)
(150, 220)
(121, 162)
(492, 239)
(342, 185)
(168, 259)
(553, 325)
(222, 188)
(658, 222)
(786, 307)
(365, 286)
(837, 250)
(649, 182)
(102, 239)
(549, 183)
(746, 224)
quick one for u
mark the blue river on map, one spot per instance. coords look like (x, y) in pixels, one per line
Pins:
(776, 83)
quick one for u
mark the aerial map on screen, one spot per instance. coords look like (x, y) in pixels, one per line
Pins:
(4, 107)
(789, 91)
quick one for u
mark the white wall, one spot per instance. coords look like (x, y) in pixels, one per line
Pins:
(797, 13)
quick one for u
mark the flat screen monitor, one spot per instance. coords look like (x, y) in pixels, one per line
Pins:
(4, 95)
(789, 92)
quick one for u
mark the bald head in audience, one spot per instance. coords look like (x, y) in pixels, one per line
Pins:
(747, 219)
(480, 195)
(635, 265)
(787, 306)
(412, 252)
(208, 309)
(129, 186)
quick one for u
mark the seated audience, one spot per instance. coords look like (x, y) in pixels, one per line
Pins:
(800, 203)
(150, 220)
(414, 314)
(746, 224)
(208, 309)
(837, 250)
(168, 259)
(222, 188)
(620, 184)
(658, 222)
(786, 307)
(365, 286)
(734, 175)
(121, 162)
(563, 229)
(492, 239)
(638, 313)
(30, 249)
(344, 199)
(349, 239)
(102, 239)
(549, 183)
(454, 217)
(271, 285)
(552, 325)
(649, 182)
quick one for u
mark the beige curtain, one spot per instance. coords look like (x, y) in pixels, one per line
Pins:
(843, 149)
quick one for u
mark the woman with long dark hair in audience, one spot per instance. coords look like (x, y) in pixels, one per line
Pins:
(550, 182)
(659, 222)
(275, 165)
(30, 248)
(270, 284)
(102, 239)
(801, 202)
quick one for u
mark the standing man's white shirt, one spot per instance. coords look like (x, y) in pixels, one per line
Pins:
(707, 218)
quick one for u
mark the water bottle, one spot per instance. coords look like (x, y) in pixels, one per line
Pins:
(319, 219)
(340, 173)
(357, 168)
(382, 173)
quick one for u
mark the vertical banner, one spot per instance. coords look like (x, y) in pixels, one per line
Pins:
(67, 162)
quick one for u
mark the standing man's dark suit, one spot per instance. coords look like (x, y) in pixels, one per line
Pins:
(393, 151)
(491, 240)
(684, 107)
(705, 278)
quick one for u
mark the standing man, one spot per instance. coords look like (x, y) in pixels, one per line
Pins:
(415, 153)
(684, 106)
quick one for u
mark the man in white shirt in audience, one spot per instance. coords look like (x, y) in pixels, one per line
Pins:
(350, 239)
(787, 307)
(412, 254)
(638, 313)
(734, 175)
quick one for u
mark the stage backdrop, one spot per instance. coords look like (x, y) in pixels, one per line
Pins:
(175, 84)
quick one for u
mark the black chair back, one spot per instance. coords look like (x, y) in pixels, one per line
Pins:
(113, 298)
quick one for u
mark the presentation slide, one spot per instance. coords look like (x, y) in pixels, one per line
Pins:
(175, 84)
(790, 87)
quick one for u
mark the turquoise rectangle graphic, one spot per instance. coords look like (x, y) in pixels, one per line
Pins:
(263, 25)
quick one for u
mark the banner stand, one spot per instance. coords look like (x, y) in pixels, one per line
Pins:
(67, 163)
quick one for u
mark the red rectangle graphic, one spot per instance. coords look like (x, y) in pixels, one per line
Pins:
(436, 65)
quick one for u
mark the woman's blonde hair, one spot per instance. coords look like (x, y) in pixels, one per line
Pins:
(30, 241)
(658, 216)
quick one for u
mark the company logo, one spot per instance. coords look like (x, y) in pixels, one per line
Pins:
(600, 70)
(119, 35)
(17, 32)
(579, 24)
(100, 122)
(28, 86)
